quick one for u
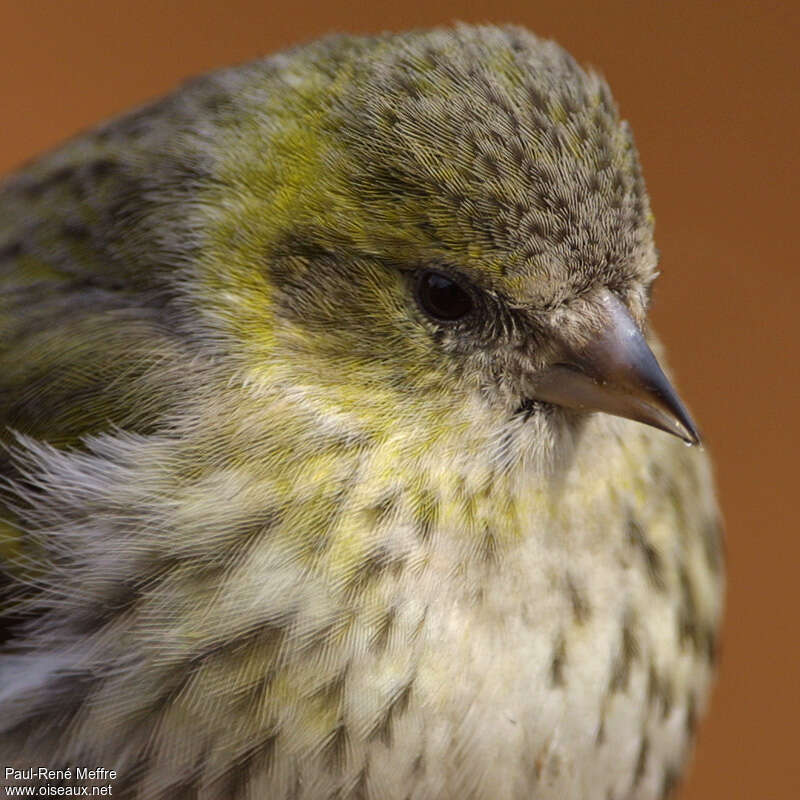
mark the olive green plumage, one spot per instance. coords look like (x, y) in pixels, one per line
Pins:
(272, 529)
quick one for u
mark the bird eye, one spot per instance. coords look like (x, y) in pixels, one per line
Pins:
(442, 298)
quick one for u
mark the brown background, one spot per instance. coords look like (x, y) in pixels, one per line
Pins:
(712, 92)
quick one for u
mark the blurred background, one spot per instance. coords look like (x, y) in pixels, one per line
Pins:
(711, 90)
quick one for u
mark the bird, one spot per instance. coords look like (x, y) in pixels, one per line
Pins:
(339, 458)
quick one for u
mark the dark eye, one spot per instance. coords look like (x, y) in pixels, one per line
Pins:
(441, 297)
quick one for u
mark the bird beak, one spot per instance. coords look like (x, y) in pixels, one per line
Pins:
(616, 372)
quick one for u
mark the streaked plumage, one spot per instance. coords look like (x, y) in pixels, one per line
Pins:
(275, 532)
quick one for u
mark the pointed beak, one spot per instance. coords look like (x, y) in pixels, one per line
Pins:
(616, 373)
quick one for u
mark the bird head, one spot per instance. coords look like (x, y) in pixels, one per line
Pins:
(434, 222)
